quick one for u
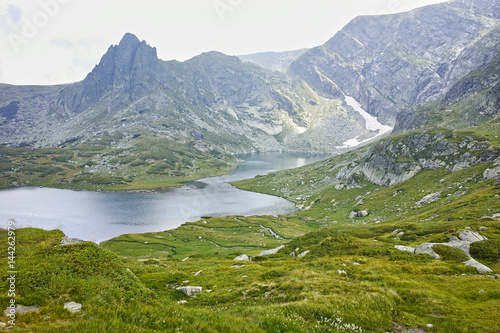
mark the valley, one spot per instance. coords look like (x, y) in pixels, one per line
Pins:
(398, 230)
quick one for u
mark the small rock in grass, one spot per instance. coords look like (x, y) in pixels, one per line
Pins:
(303, 254)
(21, 309)
(243, 257)
(190, 291)
(73, 307)
(362, 213)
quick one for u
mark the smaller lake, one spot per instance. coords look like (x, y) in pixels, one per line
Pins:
(98, 216)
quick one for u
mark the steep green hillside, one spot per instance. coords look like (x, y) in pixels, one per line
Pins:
(49, 275)
(415, 164)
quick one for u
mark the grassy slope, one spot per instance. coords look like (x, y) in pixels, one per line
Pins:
(150, 163)
(277, 293)
(49, 275)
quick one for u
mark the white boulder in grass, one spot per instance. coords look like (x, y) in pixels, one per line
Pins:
(190, 291)
(73, 307)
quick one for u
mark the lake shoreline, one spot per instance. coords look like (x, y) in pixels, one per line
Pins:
(102, 215)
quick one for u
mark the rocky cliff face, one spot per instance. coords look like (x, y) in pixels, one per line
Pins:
(396, 160)
(473, 99)
(391, 62)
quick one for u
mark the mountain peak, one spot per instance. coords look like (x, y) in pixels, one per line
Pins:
(128, 65)
(129, 38)
(128, 46)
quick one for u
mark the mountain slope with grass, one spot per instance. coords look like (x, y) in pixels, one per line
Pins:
(408, 202)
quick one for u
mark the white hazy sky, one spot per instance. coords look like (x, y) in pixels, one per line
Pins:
(60, 41)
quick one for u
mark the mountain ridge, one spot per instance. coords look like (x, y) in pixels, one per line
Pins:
(371, 61)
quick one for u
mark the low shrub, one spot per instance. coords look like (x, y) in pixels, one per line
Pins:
(274, 274)
(449, 253)
(486, 250)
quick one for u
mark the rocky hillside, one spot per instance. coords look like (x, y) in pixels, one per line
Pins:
(473, 100)
(221, 101)
(391, 62)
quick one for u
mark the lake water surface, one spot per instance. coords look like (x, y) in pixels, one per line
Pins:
(98, 216)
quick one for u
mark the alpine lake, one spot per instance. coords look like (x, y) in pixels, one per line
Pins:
(99, 216)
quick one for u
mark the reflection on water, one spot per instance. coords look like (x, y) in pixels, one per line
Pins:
(98, 216)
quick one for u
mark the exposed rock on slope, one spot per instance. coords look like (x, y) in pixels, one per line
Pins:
(461, 242)
(395, 160)
(391, 62)
(472, 100)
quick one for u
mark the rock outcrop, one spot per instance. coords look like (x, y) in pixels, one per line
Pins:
(395, 160)
(271, 251)
(462, 241)
(242, 257)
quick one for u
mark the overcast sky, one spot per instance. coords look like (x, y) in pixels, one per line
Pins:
(60, 41)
